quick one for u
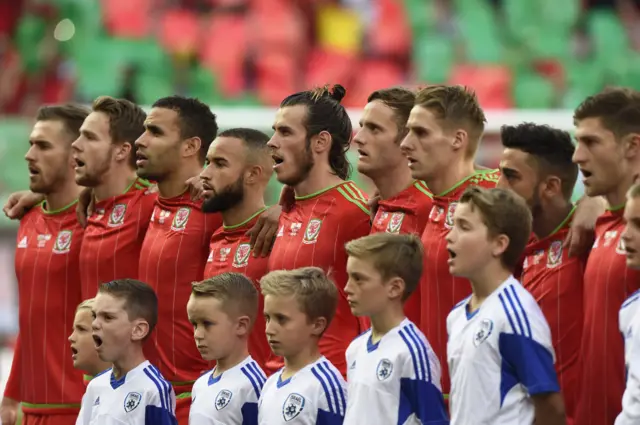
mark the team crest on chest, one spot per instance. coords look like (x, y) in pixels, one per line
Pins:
(554, 257)
(620, 248)
(312, 231)
(384, 369)
(484, 331)
(180, 219)
(222, 399)
(241, 258)
(448, 221)
(292, 406)
(63, 242)
(131, 401)
(395, 222)
(117, 215)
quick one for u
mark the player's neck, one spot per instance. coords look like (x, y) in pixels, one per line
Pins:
(115, 182)
(391, 182)
(487, 280)
(617, 197)
(231, 361)
(175, 184)
(320, 177)
(130, 361)
(551, 217)
(96, 369)
(250, 205)
(302, 359)
(453, 174)
(386, 320)
(63, 196)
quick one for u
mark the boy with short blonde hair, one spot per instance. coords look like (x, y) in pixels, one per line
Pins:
(393, 375)
(222, 310)
(298, 308)
(500, 353)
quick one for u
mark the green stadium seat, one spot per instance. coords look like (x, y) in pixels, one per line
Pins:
(532, 91)
(609, 37)
(30, 32)
(433, 57)
(480, 31)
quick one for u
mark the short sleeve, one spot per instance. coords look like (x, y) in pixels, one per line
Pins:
(161, 406)
(420, 389)
(525, 345)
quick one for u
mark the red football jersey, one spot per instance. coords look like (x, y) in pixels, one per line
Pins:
(46, 263)
(440, 291)
(113, 237)
(313, 233)
(609, 282)
(555, 281)
(407, 212)
(230, 251)
(173, 255)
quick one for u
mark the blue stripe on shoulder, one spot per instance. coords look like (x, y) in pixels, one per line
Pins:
(165, 384)
(254, 382)
(340, 398)
(154, 379)
(631, 299)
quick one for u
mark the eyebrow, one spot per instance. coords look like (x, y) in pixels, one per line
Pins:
(153, 128)
(88, 133)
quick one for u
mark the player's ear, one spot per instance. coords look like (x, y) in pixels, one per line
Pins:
(321, 142)
(123, 152)
(243, 325)
(253, 174)
(319, 326)
(460, 138)
(140, 330)
(632, 145)
(551, 187)
(395, 287)
(499, 245)
(191, 146)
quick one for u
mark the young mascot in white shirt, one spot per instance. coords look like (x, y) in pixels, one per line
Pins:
(499, 350)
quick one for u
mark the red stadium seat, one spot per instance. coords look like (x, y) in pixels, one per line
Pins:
(222, 57)
(371, 75)
(179, 31)
(325, 66)
(392, 32)
(276, 76)
(127, 18)
(277, 25)
(492, 84)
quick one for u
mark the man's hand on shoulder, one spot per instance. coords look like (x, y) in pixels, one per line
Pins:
(263, 233)
(19, 203)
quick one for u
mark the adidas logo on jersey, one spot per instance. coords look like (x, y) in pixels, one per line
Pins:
(23, 242)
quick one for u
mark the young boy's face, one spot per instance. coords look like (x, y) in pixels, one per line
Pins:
(470, 248)
(83, 349)
(366, 290)
(630, 238)
(288, 328)
(215, 332)
(112, 329)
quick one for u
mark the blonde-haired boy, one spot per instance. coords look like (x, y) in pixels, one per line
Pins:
(500, 354)
(298, 307)
(393, 375)
(222, 310)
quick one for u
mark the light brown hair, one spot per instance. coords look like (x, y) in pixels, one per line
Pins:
(392, 255)
(316, 294)
(456, 107)
(401, 101)
(504, 213)
(85, 305)
(126, 121)
(618, 109)
(235, 291)
(140, 300)
(70, 115)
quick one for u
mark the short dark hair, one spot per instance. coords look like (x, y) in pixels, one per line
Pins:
(401, 100)
(618, 109)
(126, 121)
(70, 115)
(141, 301)
(551, 148)
(325, 113)
(196, 120)
(255, 139)
(504, 213)
(235, 291)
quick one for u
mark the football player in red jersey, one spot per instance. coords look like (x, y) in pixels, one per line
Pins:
(239, 166)
(608, 154)
(404, 203)
(42, 376)
(536, 164)
(105, 162)
(312, 135)
(172, 150)
(445, 127)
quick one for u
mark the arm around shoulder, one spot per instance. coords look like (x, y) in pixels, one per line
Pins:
(549, 409)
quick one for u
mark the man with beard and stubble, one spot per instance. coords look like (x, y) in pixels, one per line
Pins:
(49, 240)
(312, 136)
(536, 164)
(235, 180)
(173, 148)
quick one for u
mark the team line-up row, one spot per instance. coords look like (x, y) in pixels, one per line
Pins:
(206, 215)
